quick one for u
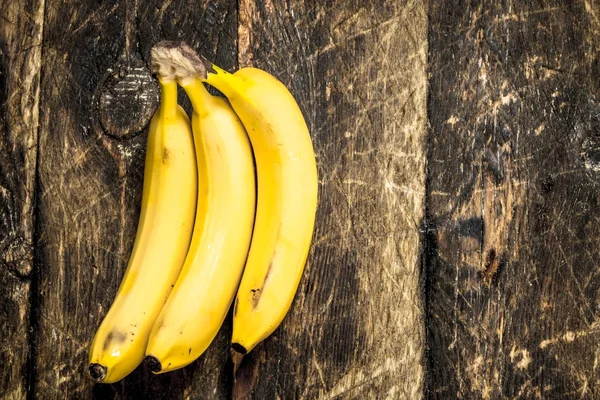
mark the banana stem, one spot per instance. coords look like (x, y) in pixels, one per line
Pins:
(215, 78)
(168, 97)
(198, 94)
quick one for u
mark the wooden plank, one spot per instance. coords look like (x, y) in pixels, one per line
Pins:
(357, 70)
(97, 97)
(513, 276)
(21, 25)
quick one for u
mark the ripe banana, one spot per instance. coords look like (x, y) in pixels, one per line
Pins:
(161, 244)
(286, 204)
(198, 304)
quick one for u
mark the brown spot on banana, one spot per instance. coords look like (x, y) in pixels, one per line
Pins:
(255, 296)
(256, 293)
(165, 156)
(107, 341)
(114, 336)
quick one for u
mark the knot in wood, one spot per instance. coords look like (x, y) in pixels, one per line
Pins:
(128, 98)
(18, 256)
(590, 149)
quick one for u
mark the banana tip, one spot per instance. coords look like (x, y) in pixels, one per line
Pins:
(153, 364)
(97, 372)
(238, 348)
(237, 354)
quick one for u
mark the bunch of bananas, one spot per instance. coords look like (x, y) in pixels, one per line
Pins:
(212, 227)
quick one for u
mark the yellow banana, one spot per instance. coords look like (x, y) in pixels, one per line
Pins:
(198, 304)
(286, 204)
(213, 267)
(161, 244)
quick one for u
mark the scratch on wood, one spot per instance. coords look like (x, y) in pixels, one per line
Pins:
(357, 379)
(523, 16)
(80, 345)
(100, 12)
(520, 357)
(571, 336)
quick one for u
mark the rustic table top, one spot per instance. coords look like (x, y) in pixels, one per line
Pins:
(455, 253)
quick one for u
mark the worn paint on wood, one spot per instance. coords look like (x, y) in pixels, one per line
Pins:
(513, 283)
(358, 71)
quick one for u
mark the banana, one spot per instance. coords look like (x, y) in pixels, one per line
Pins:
(286, 204)
(161, 243)
(199, 303)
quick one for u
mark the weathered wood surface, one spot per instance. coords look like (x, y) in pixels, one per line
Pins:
(97, 96)
(20, 55)
(512, 266)
(454, 259)
(358, 70)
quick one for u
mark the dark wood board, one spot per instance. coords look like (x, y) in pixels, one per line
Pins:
(513, 232)
(358, 71)
(20, 62)
(97, 97)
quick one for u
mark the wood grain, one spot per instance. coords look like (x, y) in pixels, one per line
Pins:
(358, 72)
(97, 97)
(456, 247)
(513, 283)
(20, 64)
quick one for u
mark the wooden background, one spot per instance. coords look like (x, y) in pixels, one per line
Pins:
(456, 250)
